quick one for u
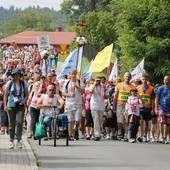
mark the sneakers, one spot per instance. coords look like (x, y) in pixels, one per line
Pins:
(132, 140)
(87, 137)
(153, 140)
(119, 137)
(166, 141)
(11, 145)
(162, 140)
(125, 139)
(145, 139)
(139, 139)
(97, 139)
(108, 137)
(157, 139)
(19, 145)
(92, 137)
(82, 137)
(70, 138)
(113, 138)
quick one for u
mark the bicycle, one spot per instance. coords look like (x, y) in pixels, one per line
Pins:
(57, 127)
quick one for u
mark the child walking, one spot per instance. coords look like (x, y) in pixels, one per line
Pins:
(133, 114)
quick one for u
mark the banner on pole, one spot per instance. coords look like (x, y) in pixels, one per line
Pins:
(43, 42)
(138, 71)
(102, 59)
(114, 72)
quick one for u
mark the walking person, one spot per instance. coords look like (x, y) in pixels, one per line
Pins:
(32, 104)
(97, 105)
(147, 94)
(122, 92)
(132, 111)
(162, 108)
(15, 96)
(88, 116)
(3, 114)
(73, 90)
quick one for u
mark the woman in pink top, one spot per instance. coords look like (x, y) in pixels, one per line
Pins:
(88, 115)
(32, 102)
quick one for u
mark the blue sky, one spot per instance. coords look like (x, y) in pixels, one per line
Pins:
(25, 3)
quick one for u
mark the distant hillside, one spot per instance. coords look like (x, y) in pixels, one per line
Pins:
(58, 19)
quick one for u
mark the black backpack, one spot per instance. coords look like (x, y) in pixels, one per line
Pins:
(69, 82)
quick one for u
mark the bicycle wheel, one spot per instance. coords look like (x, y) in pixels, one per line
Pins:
(67, 141)
(55, 130)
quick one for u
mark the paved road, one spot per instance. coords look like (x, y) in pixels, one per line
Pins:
(16, 159)
(99, 155)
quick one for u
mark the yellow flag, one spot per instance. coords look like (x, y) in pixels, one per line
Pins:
(102, 60)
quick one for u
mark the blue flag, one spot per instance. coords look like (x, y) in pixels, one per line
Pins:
(85, 74)
(70, 62)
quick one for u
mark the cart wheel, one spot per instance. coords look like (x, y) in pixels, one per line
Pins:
(39, 141)
(55, 130)
(67, 141)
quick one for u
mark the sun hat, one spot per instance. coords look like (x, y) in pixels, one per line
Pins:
(16, 71)
(97, 78)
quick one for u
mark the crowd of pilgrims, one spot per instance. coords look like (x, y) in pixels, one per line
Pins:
(94, 108)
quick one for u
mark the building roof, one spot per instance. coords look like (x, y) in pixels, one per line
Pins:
(30, 37)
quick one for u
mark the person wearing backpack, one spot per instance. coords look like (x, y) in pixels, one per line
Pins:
(32, 104)
(15, 96)
(73, 90)
(162, 109)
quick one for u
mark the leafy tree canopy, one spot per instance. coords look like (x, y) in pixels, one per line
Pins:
(32, 19)
(143, 28)
(74, 8)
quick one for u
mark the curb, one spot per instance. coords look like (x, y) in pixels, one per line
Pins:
(30, 153)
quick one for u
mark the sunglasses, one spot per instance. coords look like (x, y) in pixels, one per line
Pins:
(51, 90)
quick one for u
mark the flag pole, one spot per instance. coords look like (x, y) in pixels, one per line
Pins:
(81, 25)
(77, 57)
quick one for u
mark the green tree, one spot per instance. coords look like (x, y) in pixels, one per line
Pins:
(32, 19)
(27, 20)
(100, 28)
(143, 28)
(74, 8)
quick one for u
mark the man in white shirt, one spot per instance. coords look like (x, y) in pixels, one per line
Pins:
(97, 105)
(73, 90)
(46, 102)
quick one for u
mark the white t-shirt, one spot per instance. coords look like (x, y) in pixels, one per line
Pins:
(46, 100)
(77, 99)
(132, 105)
(97, 98)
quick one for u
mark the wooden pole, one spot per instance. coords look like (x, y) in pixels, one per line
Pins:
(77, 59)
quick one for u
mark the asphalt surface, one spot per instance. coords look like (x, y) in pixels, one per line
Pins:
(101, 155)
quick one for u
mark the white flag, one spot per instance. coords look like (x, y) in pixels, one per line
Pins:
(138, 71)
(114, 72)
